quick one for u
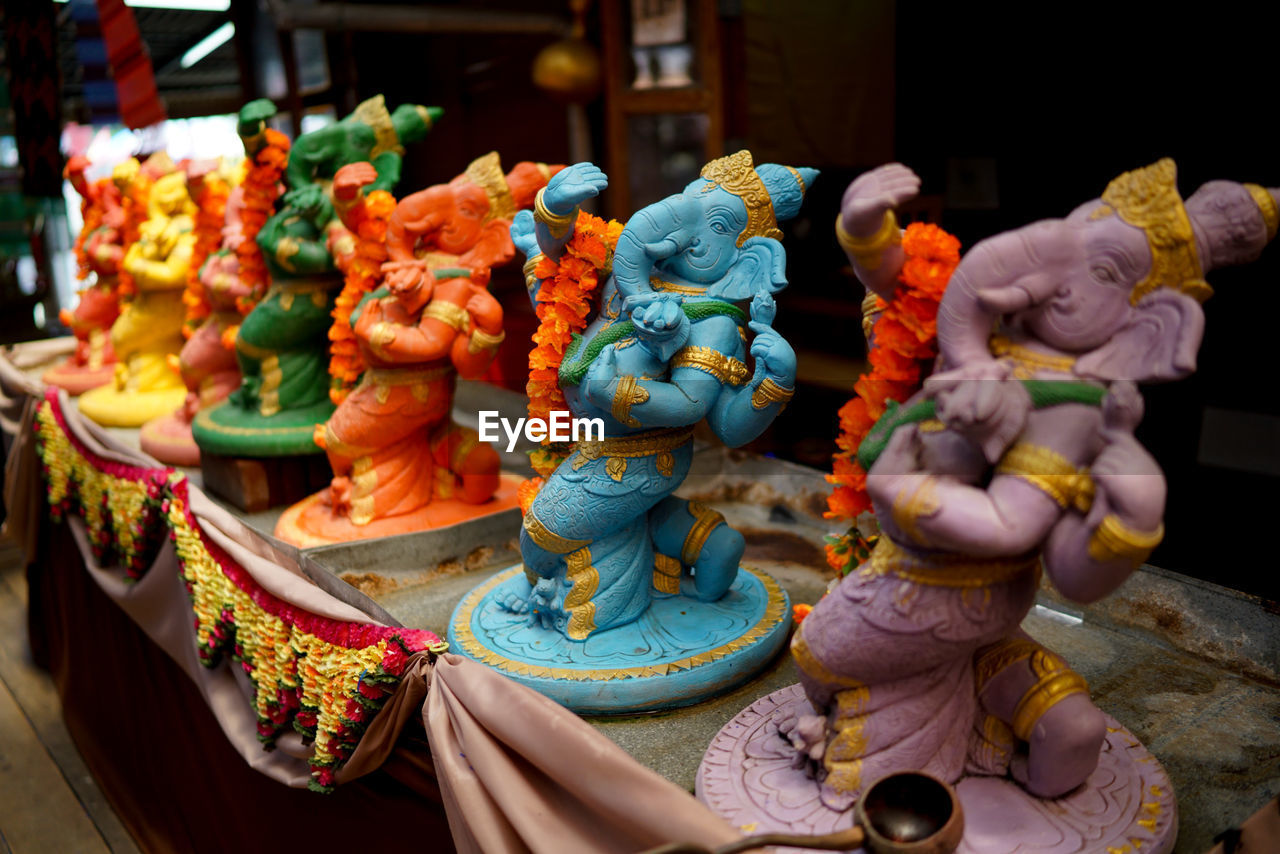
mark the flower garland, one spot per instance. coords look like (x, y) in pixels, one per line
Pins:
(92, 212)
(120, 504)
(361, 265)
(211, 214)
(134, 202)
(565, 301)
(262, 186)
(325, 678)
(905, 345)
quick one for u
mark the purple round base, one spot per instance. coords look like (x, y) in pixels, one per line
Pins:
(748, 778)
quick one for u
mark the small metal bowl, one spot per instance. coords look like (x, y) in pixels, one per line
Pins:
(910, 813)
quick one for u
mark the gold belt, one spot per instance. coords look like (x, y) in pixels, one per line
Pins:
(382, 380)
(618, 449)
(936, 570)
(404, 376)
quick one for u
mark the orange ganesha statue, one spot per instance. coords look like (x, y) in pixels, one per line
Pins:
(100, 252)
(400, 464)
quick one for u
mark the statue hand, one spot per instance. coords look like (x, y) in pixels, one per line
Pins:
(661, 324)
(774, 356)
(873, 193)
(600, 383)
(485, 312)
(523, 235)
(253, 114)
(572, 186)
(1129, 482)
(404, 277)
(351, 179)
(982, 403)
(309, 200)
(1123, 407)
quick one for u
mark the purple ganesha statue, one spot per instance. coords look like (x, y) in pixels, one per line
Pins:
(1017, 457)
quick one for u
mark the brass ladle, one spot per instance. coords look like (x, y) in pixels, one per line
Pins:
(904, 813)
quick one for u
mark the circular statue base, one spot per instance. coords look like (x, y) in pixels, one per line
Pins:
(312, 522)
(76, 379)
(112, 408)
(750, 777)
(680, 652)
(229, 430)
(168, 439)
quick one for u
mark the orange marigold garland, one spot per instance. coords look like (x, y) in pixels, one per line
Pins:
(361, 265)
(565, 302)
(134, 201)
(92, 212)
(211, 212)
(905, 345)
(262, 186)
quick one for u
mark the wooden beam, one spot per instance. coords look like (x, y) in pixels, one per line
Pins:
(411, 19)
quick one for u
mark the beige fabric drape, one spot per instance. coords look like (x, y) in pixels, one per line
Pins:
(518, 772)
(524, 774)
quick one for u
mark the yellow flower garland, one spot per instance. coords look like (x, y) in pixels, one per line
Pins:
(327, 678)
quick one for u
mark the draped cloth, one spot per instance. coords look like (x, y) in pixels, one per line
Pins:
(514, 771)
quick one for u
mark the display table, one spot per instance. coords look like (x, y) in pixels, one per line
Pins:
(118, 604)
(175, 744)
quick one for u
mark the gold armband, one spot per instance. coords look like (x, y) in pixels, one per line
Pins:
(910, 504)
(1267, 205)
(558, 226)
(770, 392)
(529, 266)
(724, 368)
(341, 206)
(666, 573)
(286, 248)
(481, 340)
(871, 310)
(1051, 473)
(449, 314)
(380, 336)
(867, 250)
(705, 520)
(627, 395)
(1114, 539)
(1054, 682)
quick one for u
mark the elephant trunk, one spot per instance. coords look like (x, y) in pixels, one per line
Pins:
(659, 231)
(1003, 274)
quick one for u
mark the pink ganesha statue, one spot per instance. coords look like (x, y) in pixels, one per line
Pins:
(1018, 456)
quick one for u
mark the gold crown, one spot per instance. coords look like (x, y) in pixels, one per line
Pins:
(736, 174)
(486, 173)
(373, 113)
(1148, 199)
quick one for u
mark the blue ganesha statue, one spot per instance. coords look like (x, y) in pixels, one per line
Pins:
(683, 332)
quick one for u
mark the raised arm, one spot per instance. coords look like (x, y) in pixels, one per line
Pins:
(868, 230)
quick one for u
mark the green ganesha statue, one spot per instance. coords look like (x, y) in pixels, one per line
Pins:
(282, 343)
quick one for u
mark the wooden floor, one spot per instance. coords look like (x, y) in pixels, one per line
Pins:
(48, 800)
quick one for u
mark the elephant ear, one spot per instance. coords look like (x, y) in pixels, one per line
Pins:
(761, 268)
(1159, 341)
